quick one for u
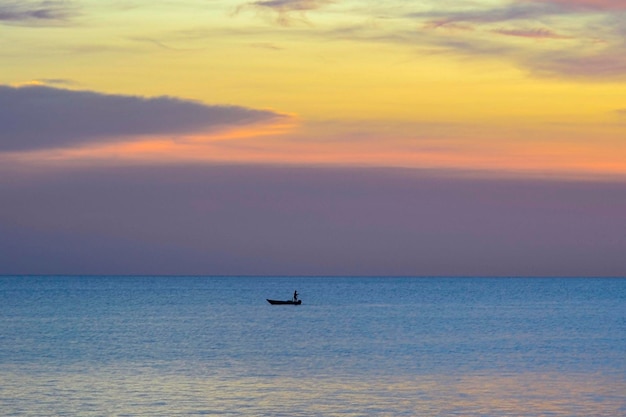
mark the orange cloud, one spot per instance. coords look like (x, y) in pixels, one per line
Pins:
(531, 151)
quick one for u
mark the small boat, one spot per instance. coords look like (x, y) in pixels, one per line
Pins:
(288, 302)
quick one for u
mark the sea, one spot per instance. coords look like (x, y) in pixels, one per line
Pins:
(369, 346)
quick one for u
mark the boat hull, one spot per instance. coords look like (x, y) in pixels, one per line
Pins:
(288, 302)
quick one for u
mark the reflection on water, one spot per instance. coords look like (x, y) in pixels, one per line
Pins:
(175, 346)
(135, 392)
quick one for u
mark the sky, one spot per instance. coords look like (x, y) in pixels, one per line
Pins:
(313, 137)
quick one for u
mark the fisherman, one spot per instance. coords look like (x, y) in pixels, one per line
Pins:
(295, 295)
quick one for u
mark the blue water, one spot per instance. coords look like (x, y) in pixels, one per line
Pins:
(147, 346)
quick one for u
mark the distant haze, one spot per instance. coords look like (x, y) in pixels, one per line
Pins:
(312, 221)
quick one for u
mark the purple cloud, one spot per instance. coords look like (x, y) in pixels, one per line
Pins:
(585, 5)
(291, 5)
(39, 13)
(35, 117)
(592, 52)
(514, 11)
(521, 10)
(540, 33)
(286, 8)
(605, 65)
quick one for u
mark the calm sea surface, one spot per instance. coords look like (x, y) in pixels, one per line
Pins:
(178, 346)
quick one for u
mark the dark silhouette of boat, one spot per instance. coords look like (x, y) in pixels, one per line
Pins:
(288, 302)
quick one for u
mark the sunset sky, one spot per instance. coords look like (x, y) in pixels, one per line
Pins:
(315, 137)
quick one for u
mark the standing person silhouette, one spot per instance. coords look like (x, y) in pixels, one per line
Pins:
(295, 295)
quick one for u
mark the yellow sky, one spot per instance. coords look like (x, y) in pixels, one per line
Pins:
(529, 86)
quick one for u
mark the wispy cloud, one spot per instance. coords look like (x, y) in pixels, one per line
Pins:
(266, 45)
(521, 10)
(609, 64)
(161, 44)
(40, 117)
(511, 12)
(585, 5)
(286, 11)
(593, 30)
(531, 33)
(40, 13)
(53, 81)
